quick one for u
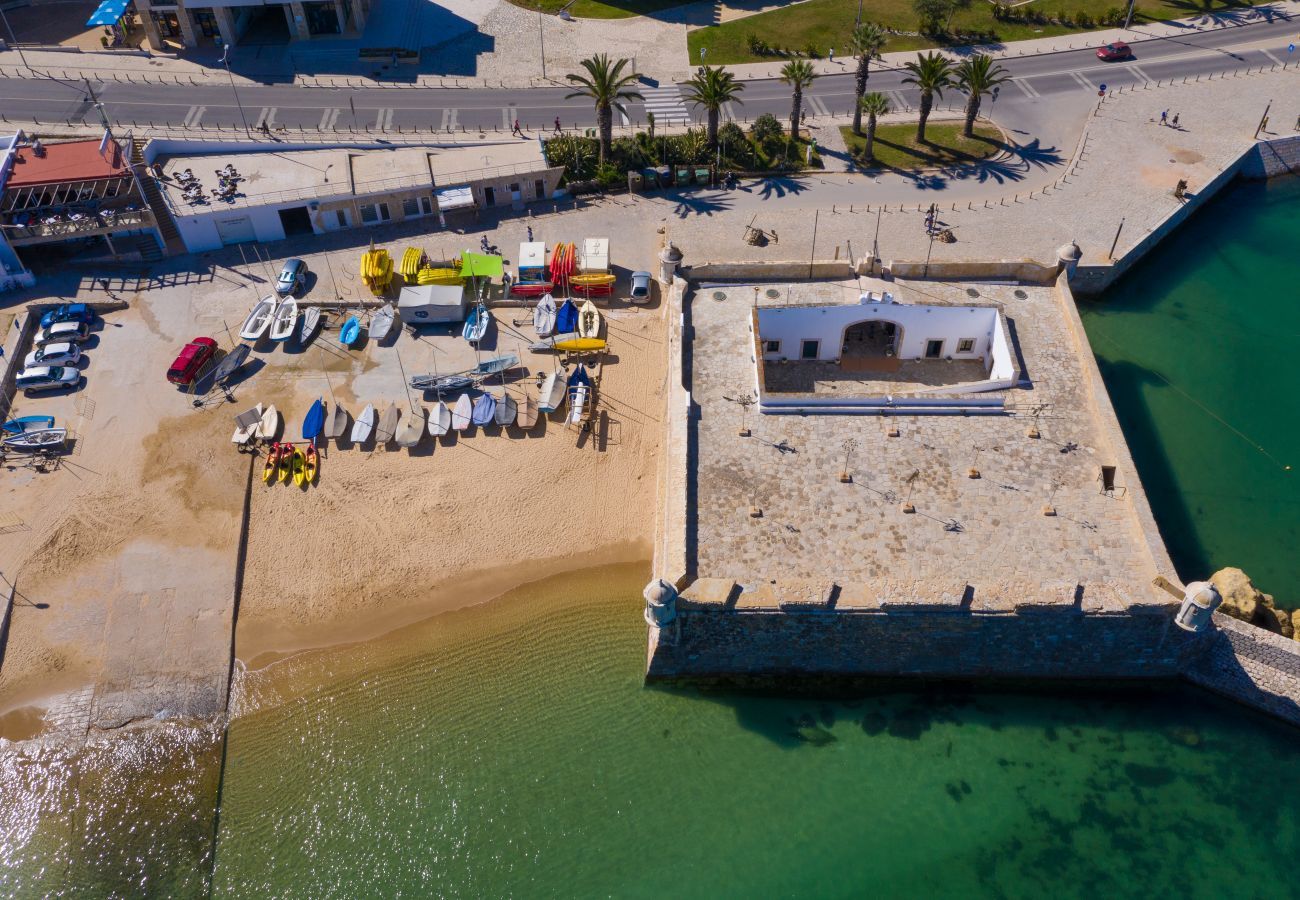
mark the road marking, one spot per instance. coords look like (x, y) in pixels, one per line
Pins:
(1025, 88)
(1272, 57)
(329, 118)
(667, 105)
(1083, 82)
(898, 102)
(384, 120)
(449, 117)
(193, 116)
(728, 112)
(818, 106)
(266, 116)
(1139, 73)
(622, 115)
(508, 116)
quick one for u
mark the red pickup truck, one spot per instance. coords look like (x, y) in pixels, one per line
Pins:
(190, 360)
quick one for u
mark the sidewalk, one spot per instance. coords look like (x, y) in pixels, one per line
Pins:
(657, 46)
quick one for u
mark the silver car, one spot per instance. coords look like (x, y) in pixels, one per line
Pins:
(641, 287)
(62, 332)
(60, 354)
(48, 378)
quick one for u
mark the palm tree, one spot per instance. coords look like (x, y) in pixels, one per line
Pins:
(867, 41)
(978, 76)
(874, 104)
(711, 87)
(798, 73)
(608, 87)
(931, 73)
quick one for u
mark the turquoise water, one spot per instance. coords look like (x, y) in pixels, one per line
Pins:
(1198, 347)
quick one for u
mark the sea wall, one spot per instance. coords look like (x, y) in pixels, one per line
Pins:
(1252, 666)
(1270, 159)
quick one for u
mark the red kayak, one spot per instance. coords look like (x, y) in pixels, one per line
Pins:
(531, 288)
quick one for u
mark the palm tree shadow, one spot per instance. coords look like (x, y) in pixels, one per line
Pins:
(701, 204)
(779, 186)
(1225, 12)
(1014, 163)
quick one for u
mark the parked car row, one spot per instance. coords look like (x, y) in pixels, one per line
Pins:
(52, 366)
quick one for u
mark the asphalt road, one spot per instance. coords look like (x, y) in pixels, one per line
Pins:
(1026, 103)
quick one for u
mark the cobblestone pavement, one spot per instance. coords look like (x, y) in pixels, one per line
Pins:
(989, 532)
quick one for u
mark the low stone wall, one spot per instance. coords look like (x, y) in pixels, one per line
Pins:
(1027, 271)
(1252, 666)
(1269, 159)
(769, 271)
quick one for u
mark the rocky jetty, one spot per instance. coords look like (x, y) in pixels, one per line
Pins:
(1242, 600)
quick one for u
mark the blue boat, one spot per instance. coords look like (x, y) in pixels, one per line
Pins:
(477, 324)
(350, 331)
(566, 318)
(311, 425)
(485, 409)
(28, 423)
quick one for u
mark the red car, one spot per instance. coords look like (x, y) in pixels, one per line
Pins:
(191, 359)
(1116, 51)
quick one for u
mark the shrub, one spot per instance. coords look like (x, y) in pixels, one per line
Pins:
(1082, 19)
(810, 50)
(628, 153)
(757, 45)
(609, 175)
(765, 128)
(1112, 17)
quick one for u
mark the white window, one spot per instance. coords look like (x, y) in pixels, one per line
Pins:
(771, 346)
(410, 207)
(374, 212)
(342, 215)
(966, 345)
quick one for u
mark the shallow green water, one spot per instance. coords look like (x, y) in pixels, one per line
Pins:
(1198, 347)
(512, 750)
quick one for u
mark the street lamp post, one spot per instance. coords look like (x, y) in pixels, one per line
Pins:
(541, 37)
(225, 61)
(13, 39)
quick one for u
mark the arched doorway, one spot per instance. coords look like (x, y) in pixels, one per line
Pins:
(872, 339)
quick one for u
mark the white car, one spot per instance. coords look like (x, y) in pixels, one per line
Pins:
(61, 332)
(48, 378)
(60, 354)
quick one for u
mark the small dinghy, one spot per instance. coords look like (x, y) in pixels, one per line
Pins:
(364, 425)
(548, 343)
(259, 319)
(461, 415)
(485, 410)
(388, 425)
(579, 392)
(440, 383)
(337, 422)
(544, 316)
(439, 419)
(506, 409)
(566, 318)
(588, 320)
(552, 393)
(350, 331)
(314, 420)
(247, 424)
(526, 417)
(230, 364)
(310, 321)
(414, 429)
(28, 423)
(38, 439)
(580, 345)
(270, 424)
(286, 317)
(494, 365)
(382, 323)
(477, 324)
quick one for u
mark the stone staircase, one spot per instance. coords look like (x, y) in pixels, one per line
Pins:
(172, 243)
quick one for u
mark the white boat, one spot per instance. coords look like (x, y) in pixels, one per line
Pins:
(269, 426)
(506, 407)
(551, 397)
(527, 416)
(382, 323)
(588, 320)
(577, 404)
(544, 316)
(284, 320)
(414, 429)
(336, 422)
(461, 414)
(388, 424)
(310, 319)
(364, 424)
(247, 425)
(41, 439)
(259, 319)
(439, 419)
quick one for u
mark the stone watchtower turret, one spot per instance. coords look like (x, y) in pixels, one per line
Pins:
(1200, 600)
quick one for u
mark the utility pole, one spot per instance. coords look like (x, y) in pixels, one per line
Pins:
(1115, 243)
(225, 60)
(541, 37)
(13, 39)
(99, 107)
(1128, 18)
(1263, 120)
(858, 20)
(875, 241)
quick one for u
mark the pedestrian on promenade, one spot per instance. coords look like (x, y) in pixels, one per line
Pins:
(516, 130)
(1164, 117)
(530, 234)
(830, 57)
(557, 124)
(1175, 121)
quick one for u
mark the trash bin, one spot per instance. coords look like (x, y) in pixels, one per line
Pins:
(683, 176)
(665, 177)
(650, 178)
(635, 183)
(702, 176)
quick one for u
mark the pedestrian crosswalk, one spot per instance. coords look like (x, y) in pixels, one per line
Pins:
(667, 105)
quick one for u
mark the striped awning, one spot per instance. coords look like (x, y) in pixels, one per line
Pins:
(108, 12)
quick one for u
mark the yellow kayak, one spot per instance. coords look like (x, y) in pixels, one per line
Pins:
(439, 276)
(580, 344)
(593, 279)
(299, 468)
(412, 261)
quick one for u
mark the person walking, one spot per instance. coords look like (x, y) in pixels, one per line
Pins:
(830, 57)
(1164, 117)
(1175, 121)
(557, 124)
(530, 234)
(516, 130)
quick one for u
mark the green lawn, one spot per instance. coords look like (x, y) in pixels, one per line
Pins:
(896, 146)
(826, 24)
(600, 9)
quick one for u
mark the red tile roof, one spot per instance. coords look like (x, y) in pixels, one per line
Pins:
(69, 161)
